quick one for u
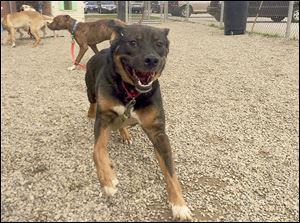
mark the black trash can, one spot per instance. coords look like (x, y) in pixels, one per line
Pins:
(235, 17)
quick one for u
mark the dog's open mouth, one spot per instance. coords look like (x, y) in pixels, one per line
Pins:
(142, 80)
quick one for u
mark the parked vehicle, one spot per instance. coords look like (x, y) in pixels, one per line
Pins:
(276, 10)
(178, 8)
(155, 6)
(91, 6)
(137, 6)
(108, 7)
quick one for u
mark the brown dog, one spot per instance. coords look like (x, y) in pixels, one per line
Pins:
(29, 20)
(86, 34)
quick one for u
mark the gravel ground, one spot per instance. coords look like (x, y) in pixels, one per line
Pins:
(232, 117)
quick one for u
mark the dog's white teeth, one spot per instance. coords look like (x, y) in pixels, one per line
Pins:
(133, 72)
(150, 84)
(145, 85)
(140, 83)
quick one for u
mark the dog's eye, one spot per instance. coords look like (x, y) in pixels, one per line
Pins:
(133, 43)
(159, 43)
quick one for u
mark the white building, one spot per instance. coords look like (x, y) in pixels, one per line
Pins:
(53, 8)
(75, 9)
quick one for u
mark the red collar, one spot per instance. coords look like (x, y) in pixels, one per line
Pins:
(131, 93)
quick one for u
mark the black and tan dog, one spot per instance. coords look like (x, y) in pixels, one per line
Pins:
(123, 89)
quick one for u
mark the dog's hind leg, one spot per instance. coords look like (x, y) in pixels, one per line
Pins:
(105, 172)
(36, 36)
(13, 37)
(43, 29)
(90, 88)
(7, 39)
(94, 48)
(126, 138)
(21, 34)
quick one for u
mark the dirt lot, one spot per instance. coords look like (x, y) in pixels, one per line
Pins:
(232, 115)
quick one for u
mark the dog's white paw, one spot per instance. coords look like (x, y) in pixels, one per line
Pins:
(110, 191)
(181, 213)
(72, 68)
(115, 182)
(13, 45)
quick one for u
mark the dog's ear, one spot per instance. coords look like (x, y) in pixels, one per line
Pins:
(67, 17)
(116, 26)
(166, 31)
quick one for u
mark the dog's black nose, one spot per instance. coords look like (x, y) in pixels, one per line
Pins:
(151, 61)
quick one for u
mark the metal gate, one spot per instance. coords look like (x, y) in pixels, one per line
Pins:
(146, 12)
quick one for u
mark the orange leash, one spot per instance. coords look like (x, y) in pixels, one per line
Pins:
(82, 66)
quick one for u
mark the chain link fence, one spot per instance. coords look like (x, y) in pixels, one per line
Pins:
(143, 12)
(269, 18)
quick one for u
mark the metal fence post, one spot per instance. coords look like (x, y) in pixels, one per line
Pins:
(126, 12)
(10, 7)
(148, 9)
(161, 8)
(130, 12)
(222, 14)
(289, 20)
(187, 10)
(166, 10)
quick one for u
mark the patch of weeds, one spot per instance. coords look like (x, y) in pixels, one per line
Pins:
(269, 35)
(216, 26)
(294, 38)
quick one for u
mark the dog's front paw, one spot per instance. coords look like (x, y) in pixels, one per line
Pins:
(73, 67)
(181, 213)
(111, 190)
(115, 182)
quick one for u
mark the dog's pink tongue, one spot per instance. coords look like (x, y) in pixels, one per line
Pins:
(144, 77)
(145, 80)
